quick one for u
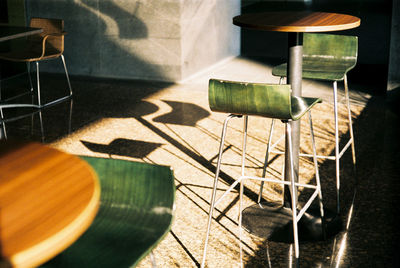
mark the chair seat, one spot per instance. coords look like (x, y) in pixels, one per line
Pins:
(29, 55)
(136, 211)
(319, 69)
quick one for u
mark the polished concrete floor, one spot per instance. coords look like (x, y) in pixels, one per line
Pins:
(171, 124)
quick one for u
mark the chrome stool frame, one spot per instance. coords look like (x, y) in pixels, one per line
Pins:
(338, 151)
(296, 216)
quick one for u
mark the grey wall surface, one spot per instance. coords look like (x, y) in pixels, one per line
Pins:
(207, 33)
(164, 40)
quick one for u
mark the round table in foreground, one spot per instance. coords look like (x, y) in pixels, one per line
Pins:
(47, 200)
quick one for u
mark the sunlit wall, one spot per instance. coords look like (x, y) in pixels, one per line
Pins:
(143, 39)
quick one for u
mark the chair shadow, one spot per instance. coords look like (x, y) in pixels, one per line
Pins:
(183, 113)
(124, 147)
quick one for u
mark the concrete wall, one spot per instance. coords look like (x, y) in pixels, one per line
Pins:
(207, 33)
(142, 39)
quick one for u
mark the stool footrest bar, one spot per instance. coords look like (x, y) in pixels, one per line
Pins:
(307, 205)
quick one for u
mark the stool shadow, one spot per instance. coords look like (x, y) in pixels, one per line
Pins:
(124, 147)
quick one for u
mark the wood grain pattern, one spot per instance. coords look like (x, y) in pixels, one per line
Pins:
(297, 21)
(47, 200)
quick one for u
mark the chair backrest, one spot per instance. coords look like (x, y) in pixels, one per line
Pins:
(330, 46)
(268, 100)
(50, 26)
(135, 214)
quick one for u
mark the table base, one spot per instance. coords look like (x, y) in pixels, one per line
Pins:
(274, 222)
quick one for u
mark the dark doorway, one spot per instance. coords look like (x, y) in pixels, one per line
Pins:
(3, 11)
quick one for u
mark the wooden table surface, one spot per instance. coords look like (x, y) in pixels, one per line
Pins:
(47, 200)
(292, 21)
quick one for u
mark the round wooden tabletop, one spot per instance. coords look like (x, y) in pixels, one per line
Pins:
(292, 21)
(47, 200)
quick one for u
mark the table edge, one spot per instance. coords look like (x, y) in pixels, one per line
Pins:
(50, 247)
(301, 29)
(288, 28)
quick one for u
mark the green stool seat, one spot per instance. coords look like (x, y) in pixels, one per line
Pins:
(135, 214)
(318, 69)
(267, 100)
(241, 99)
(325, 57)
(329, 57)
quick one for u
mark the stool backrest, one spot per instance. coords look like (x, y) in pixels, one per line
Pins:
(267, 100)
(330, 47)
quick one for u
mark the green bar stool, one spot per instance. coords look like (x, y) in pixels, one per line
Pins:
(241, 99)
(135, 214)
(329, 57)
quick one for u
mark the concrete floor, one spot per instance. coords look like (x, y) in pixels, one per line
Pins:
(171, 124)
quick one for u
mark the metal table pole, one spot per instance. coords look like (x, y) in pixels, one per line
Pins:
(294, 77)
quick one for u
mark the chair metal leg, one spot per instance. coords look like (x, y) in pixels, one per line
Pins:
(3, 131)
(213, 195)
(38, 83)
(28, 69)
(293, 192)
(317, 178)
(71, 105)
(353, 149)
(41, 126)
(266, 160)
(66, 74)
(337, 157)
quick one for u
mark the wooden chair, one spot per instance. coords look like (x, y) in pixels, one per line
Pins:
(135, 214)
(37, 48)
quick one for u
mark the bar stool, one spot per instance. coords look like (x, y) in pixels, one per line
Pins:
(272, 101)
(329, 57)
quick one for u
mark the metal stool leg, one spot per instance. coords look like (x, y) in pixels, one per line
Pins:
(245, 122)
(267, 153)
(337, 158)
(240, 222)
(293, 194)
(266, 160)
(153, 260)
(317, 179)
(213, 195)
(353, 149)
